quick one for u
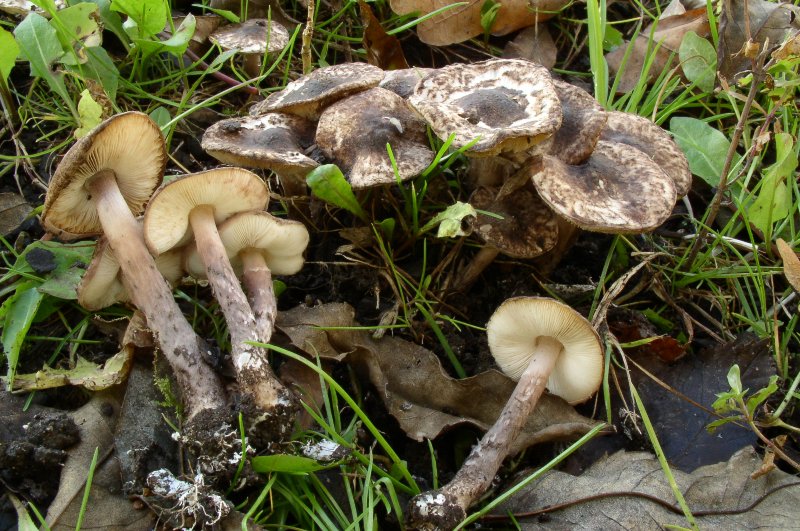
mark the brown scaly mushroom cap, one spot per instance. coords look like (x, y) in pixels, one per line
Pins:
(618, 189)
(354, 132)
(641, 133)
(273, 141)
(102, 285)
(529, 227)
(132, 146)
(281, 243)
(254, 36)
(403, 81)
(511, 104)
(582, 122)
(228, 190)
(310, 94)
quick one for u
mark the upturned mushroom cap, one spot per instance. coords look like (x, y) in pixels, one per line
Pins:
(132, 146)
(254, 36)
(281, 242)
(310, 94)
(511, 104)
(403, 81)
(354, 132)
(273, 141)
(515, 327)
(641, 133)
(228, 190)
(618, 189)
(102, 285)
(582, 122)
(529, 227)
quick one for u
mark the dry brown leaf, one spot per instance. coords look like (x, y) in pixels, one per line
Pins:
(721, 486)
(414, 386)
(768, 21)
(383, 50)
(462, 23)
(534, 44)
(791, 264)
(789, 48)
(13, 211)
(669, 33)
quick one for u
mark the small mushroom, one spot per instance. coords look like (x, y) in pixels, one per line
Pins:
(644, 135)
(541, 343)
(619, 189)
(310, 94)
(189, 207)
(582, 123)
(102, 286)
(101, 184)
(258, 245)
(253, 39)
(273, 141)
(527, 228)
(508, 105)
(354, 132)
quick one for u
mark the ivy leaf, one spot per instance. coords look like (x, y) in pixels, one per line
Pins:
(39, 44)
(329, 184)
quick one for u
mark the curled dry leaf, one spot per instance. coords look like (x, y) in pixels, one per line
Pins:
(464, 22)
(383, 50)
(534, 44)
(404, 374)
(724, 486)
(668, 33)
(791, 264)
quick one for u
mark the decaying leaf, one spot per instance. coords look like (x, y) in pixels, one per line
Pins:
(383, 50)
(791, 264)
(405, 374)
(767, 21)
(667, 34)
(90, 375)
(534, 44)
(13, 211)
(722, 486)
(464, 22)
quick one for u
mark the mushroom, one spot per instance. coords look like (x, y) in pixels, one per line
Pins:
(619, 189)
(507, 105)
(104, 180)
(253, 39)
(644, 135)
(583, 120)
(258, 245)
(310, 94)
(528, 228)
(541, 343)
(403, 81)
(273, 141)
(189, 207)
(102, 286)
(354, 132)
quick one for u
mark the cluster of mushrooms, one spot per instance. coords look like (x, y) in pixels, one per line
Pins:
(544, 154)
(209, 225)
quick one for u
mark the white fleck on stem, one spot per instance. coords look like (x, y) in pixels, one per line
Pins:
(257, 280)
(200, 388)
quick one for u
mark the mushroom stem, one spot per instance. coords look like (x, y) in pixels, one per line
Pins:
(473, 270)
(202, 392)
(257, 280)
(446, 507)
(265, 402)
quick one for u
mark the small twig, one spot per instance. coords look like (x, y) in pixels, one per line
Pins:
(308, 34)
(634, 494)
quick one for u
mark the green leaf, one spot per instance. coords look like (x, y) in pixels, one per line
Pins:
(699, 61)
(704, 146)
(176, 44)
(735, 379)
(75, 25)
(612, 38)
(774, 201)
(230, 16)
(489, 10)
(91, 114)
(712, 427)
(290, 464)
(328, 183)
(762, 394)
(67, 263)
(39, 45)
(19, 311)
(101, 68)
(451, 220)
(9, 50)
(111, 20)
(160, 116)
(150, 16)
